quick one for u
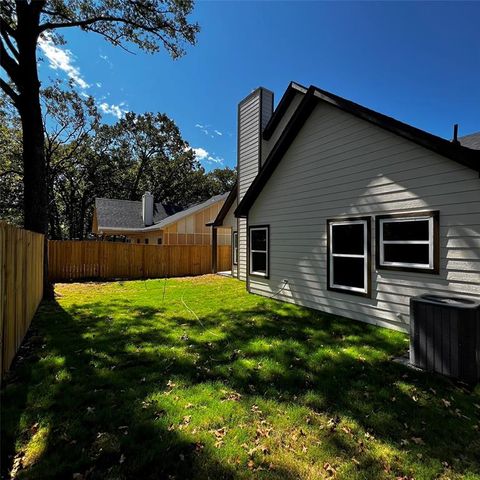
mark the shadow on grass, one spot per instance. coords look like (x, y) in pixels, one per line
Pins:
(85, 402)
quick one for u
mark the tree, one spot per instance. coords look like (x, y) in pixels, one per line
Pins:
(147, 24)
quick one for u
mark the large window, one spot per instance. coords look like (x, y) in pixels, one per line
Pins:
(259, 251)
(349, 257)
(235, 247)
(408, 241)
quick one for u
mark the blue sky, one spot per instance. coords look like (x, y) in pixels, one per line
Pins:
(418, 62)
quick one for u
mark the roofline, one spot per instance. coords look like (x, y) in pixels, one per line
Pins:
(463, 155)
(225, 207)
(166, 221)
(292, 89)
(184, 213)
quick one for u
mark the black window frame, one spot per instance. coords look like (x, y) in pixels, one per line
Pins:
(434, 242)
(235, 247)
(267, 251)
(367, 291)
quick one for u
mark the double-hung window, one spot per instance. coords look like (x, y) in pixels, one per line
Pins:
(349, 258)
(408, 241)
(259, 243)
(235, 247)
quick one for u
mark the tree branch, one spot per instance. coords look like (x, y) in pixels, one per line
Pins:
(80, 23)
(8, 63)
(10, 45)
(10, 92)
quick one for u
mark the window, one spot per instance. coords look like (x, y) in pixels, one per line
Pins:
(408, 242)
(138, 240)
(259, 251)
(146, 241)
(235, 247)
(348, 260)
(159, 241)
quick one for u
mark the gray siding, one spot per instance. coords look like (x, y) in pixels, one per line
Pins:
(253, 114)
(340, 165)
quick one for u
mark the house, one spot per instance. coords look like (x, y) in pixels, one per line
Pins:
(348, 211)
(156, 223)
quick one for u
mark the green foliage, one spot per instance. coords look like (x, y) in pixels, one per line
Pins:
(11, 167)
(122, 380)
(145, 24)
(86, 159)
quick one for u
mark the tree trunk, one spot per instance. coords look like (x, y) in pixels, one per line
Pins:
(35, 202)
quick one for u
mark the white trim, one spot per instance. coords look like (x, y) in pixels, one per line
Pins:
(429, 242)
(332, 255)
(250, 263)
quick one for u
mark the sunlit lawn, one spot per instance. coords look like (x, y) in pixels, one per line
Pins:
(123, 381)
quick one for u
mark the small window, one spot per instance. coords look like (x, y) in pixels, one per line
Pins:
(348, 260)
(235, 247)
(408, 242)
(159, 241)
(146, 241)
(138, 240)
(259, 251)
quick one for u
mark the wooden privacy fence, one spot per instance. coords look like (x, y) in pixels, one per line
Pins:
(21, 287)
(75, 260)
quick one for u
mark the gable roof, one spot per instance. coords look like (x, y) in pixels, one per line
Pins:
(188, 211)
(121, 214)
(292, 90)
(226, 206)
(471, 141)
(454, 151)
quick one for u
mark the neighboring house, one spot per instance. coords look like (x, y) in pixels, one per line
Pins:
(155, 223)
(345, 210)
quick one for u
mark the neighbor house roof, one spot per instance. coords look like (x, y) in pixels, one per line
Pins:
(455, 151)
(185, 213)
(471, 141)
(121, 214)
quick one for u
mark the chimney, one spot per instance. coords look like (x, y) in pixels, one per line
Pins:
(455, 134)
(147, 209)
(254, 112)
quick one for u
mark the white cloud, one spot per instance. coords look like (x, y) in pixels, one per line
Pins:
(218, 133)
(203, 128)
(115, 110)
(61, 59)
(200, 153)
(98, 84)
(203, 155)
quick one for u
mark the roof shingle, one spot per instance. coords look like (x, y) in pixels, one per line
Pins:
(471, 141)
(112, 213)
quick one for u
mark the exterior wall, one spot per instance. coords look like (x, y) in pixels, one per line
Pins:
(253, 114)
(192, 230)
(340, 165)
(230, 226)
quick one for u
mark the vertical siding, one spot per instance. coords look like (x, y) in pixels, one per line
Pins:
(340, 165)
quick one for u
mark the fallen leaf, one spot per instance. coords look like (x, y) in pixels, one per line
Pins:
(417, 441)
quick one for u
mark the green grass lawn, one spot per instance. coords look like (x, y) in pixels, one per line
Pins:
(123, 381)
